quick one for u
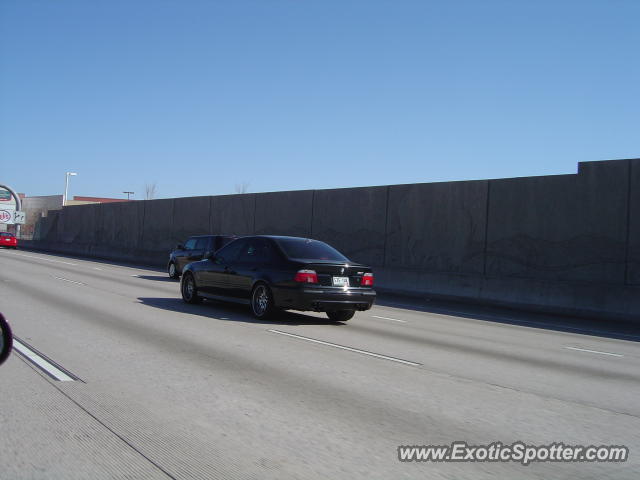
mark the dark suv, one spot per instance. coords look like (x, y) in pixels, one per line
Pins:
(194, 249)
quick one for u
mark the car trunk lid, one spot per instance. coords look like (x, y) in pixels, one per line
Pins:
(330, 273)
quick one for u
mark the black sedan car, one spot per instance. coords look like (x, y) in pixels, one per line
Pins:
(271, 273)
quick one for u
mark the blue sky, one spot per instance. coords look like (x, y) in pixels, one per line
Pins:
(199, 96)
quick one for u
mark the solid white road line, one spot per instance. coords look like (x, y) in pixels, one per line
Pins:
(84, 262)
(387, 318)
(595, 351)
(45, 259)
(41, 362)
(356, 350)
(67, 280)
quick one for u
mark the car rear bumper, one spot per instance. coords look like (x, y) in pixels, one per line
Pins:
(324, 299)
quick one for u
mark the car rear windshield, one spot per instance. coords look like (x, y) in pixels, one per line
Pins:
(4, 234)
(310, 249)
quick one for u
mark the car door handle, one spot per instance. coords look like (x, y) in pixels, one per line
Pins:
(228, 270)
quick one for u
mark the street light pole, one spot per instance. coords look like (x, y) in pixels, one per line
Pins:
(129, 193)
(66, 186)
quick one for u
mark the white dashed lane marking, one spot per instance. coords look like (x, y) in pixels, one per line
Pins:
(594, 351)
(67, 280)
(387, 318)
(342, 347)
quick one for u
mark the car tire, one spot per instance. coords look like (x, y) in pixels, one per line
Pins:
(341, 315)
(189, 289)
(173, 270)
(262, 305)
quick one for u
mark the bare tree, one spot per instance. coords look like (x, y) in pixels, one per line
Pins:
(242, 187)
(150, 190)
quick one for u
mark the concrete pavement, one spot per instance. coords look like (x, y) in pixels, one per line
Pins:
(170, 390)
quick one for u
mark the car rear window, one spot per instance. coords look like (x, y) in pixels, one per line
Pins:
(5, 234)
(310, 249)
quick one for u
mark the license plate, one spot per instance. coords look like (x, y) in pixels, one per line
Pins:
(340, 281)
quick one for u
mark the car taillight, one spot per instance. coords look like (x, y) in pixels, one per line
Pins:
(306, 276)
(367, 280)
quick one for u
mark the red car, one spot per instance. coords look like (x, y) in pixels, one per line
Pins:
(8, 240)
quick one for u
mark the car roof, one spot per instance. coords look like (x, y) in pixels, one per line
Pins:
(207, 236)
(285, 237)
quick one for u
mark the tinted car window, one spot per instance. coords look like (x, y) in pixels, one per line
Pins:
(201, 244)
(257, 251)
(310, 249)
(221, 241)
(4, 234)
(230, 252)
(191, 244)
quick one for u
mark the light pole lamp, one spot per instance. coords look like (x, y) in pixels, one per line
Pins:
(66, 186)
(129, 193)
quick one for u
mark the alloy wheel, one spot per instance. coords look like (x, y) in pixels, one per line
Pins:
(260, 300)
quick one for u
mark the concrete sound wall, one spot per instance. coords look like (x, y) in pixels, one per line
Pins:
(46, 225)
(633, 253)
(157, 234)
(564, 243)
(353, 220)
(437, 227)
(190, 217)
(564, 228)
(120, 230)
(284, 213)
(234, 214)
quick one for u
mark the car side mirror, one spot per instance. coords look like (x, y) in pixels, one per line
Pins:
(179, 247)
(6, 340)
(209, 255)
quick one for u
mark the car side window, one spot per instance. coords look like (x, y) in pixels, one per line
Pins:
(229, 253)
(257, 251)
(222, 241)
(190, 244)
(201, 244)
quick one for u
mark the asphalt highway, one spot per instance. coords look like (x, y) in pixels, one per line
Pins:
(145, 386)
